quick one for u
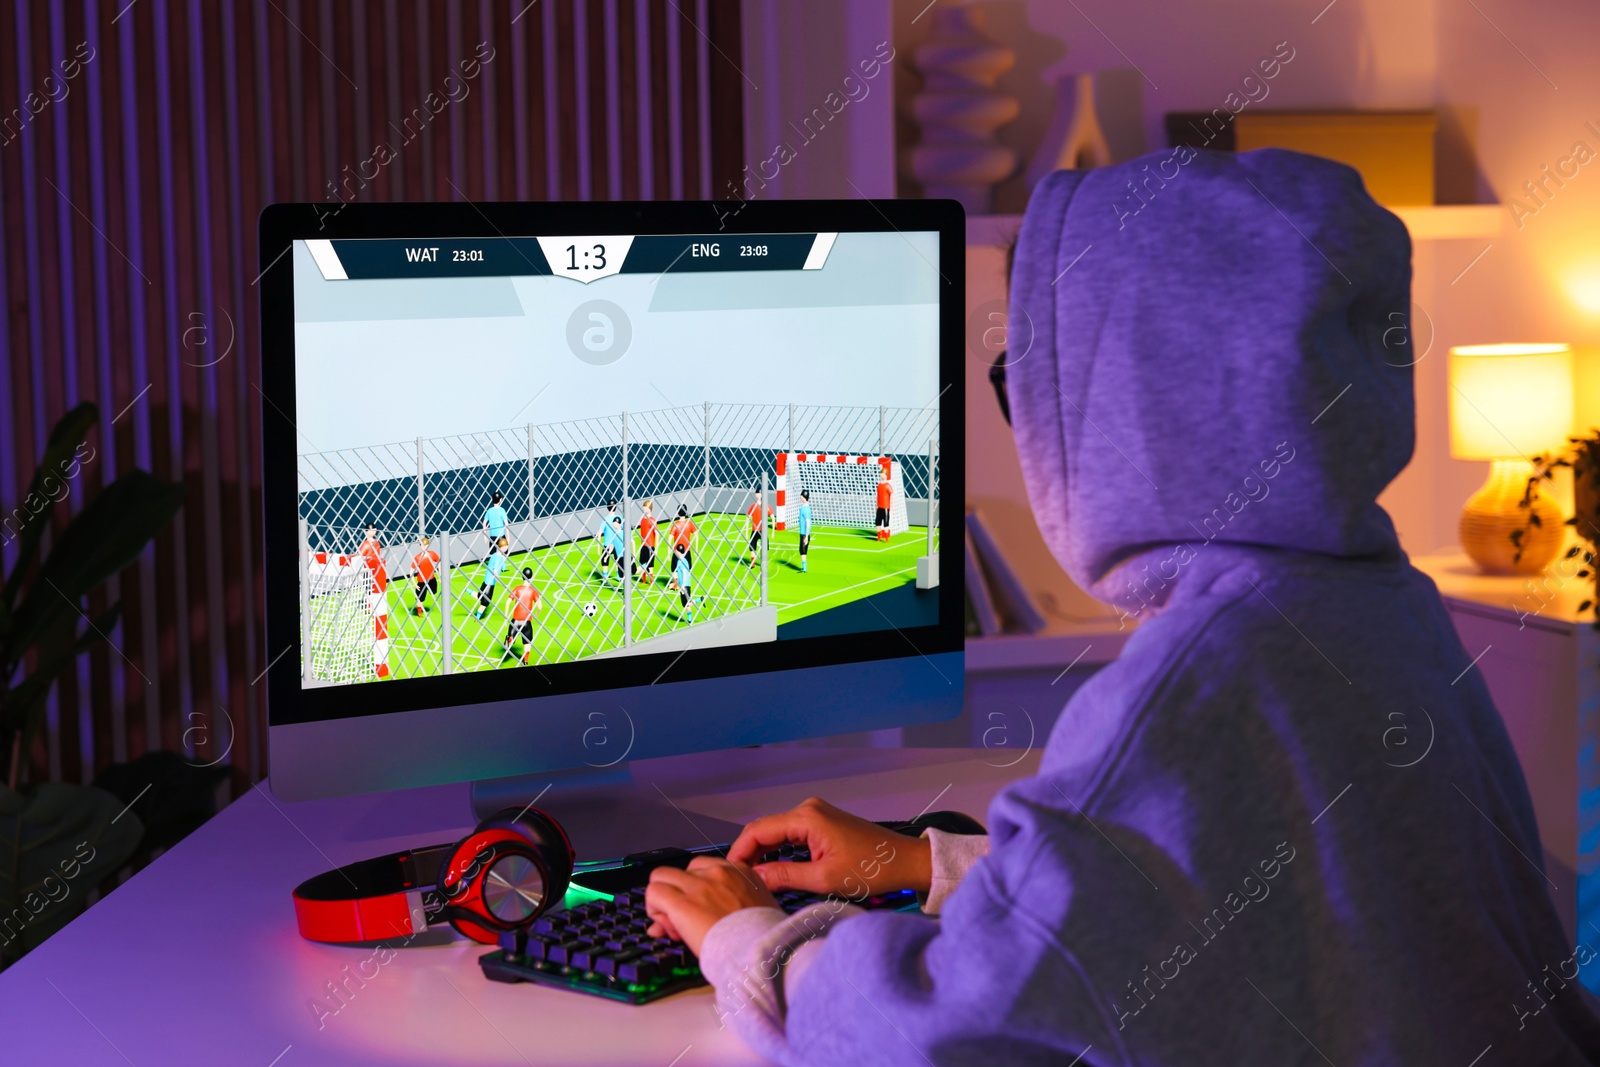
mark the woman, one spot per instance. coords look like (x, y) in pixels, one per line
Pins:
(1219, 861)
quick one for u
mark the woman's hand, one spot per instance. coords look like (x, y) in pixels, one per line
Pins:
(850, 856)
(685, 905)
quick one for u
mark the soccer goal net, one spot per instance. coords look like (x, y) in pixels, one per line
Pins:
(347, 618)
(843, 490)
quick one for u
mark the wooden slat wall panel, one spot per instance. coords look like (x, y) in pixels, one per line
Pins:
(129, 193)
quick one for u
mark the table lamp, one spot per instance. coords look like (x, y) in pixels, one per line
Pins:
(1508, 404)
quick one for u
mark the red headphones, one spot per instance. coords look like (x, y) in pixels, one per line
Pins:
(501, 877)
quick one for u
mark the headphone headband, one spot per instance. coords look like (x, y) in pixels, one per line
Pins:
(401, 894)
(373, 899)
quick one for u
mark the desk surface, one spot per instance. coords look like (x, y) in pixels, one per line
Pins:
(196, 960)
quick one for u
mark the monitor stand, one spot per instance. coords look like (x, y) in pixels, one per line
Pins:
(605, 812)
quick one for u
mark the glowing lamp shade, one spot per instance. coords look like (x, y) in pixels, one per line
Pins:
(1509, 403)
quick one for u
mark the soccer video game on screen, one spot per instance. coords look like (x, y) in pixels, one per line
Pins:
(516, 452)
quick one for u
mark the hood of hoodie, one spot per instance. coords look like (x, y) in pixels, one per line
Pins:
(1213, 348)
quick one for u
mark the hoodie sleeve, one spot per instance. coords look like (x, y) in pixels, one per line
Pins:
(755, 957)
(952, 856)
(988, 984)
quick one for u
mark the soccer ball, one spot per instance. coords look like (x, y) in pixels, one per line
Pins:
(591, 609)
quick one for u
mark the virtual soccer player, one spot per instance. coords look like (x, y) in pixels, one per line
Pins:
(371, 552)
(492, 568)
(607, 543)
(617, 544)
(682, 532)
(755, 513)
(1222, 860)
(423, 568)
(524, 601)
(370, 549)
(885, 498)
(649, 533)
(494, 520)
(802, 525)
(683, 578)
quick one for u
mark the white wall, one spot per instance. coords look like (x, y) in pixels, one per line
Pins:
(1514, 84)
(795, 56)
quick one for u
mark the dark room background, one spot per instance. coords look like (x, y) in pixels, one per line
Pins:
(138, 142)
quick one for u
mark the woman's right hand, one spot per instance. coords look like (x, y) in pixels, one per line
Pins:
(850, 856)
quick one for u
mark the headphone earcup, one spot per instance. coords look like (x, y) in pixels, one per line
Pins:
(512, 868)
(547, 837)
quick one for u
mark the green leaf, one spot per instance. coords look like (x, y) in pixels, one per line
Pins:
(24, 705)
(60, 457)
(56, 843)
(102, 539)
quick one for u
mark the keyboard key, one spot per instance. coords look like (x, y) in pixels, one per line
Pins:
(667, 959)
(538, 948)
(562, 953)
(582, 959)
(610, 965)
(638, 970)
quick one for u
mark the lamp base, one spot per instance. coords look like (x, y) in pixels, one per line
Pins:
(1496, 510)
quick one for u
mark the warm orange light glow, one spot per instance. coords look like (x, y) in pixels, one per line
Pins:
(1583, 286)
(1509, 401)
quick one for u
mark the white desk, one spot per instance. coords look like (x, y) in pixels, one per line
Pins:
(196, 960)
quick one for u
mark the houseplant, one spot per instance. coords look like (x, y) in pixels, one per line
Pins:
(57, 839)
(1582, 457)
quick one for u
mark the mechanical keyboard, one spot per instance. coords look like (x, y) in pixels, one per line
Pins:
(598, 943)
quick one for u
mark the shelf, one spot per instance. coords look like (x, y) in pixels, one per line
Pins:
(1441, 222)
(1445, 222)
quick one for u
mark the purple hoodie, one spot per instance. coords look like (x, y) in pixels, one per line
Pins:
(1287, 825)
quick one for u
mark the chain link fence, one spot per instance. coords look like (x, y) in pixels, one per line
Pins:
(573, 520)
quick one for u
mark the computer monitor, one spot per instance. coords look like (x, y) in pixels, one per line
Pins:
(552, 487)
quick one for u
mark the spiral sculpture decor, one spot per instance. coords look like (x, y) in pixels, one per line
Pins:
(959, 110)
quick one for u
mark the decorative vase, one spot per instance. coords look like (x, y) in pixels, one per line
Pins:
(1074, 139)
(959, 109)
(1496, 511)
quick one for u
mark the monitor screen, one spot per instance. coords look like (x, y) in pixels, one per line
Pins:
(542, 464)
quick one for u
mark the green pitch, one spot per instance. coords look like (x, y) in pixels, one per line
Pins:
(845, 565)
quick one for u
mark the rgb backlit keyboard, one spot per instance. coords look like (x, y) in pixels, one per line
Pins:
(598, 944)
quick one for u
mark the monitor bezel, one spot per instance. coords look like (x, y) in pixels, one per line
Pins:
(280, 224)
